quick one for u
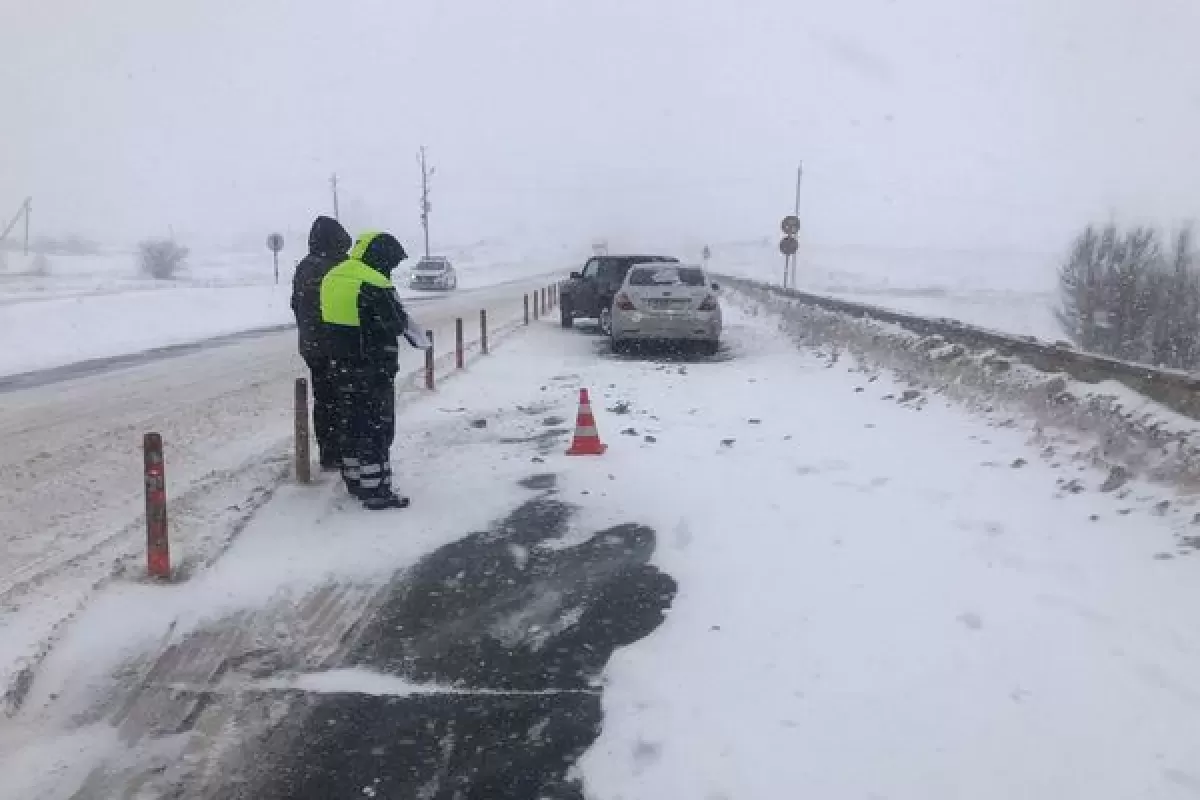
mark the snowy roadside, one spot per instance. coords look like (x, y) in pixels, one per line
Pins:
(879, 592)
(288, 592)
(72, 503)
(1081, 410)
(882, 594)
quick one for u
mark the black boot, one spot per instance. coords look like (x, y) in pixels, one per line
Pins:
(383, 502)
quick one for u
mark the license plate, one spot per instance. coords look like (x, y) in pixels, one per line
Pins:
(669, 303)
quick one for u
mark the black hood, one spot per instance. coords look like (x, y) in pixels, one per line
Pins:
(380, 251)
(328, 238)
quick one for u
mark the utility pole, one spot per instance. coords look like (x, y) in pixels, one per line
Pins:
(333, 185)
(23, 211)
(28, 211)
(426, 173)
(799, 180)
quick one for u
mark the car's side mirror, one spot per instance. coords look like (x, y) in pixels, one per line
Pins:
(575, 276)
(716, 287)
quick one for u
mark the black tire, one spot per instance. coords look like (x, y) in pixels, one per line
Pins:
(619, 346)
(566, 319)
(711, 348)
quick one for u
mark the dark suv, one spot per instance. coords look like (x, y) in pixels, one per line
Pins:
(589, 294)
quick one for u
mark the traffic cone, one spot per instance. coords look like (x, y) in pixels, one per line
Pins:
(587, 439)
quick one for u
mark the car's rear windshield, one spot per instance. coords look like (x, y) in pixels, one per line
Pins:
(653, 276)
(431, 266)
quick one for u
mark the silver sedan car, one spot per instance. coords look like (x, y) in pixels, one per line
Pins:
(666, 302)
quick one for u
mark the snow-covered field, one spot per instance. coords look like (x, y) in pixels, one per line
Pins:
(880, 594)
(90, 307)
(1005, 291)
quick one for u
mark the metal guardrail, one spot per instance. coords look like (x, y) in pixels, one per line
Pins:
(1175, 389)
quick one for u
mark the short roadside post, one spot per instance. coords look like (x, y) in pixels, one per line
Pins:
(526, 308)
(483, 340)
(303, 459)
(429, 361)
(158, 554)
(458, 343)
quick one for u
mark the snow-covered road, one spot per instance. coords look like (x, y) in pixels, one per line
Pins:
(879, 594)
(70, 469)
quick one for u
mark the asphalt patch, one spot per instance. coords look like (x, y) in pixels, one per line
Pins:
(495, 611)
(541, 481)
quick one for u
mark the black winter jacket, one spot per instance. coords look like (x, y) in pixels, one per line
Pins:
(328, 244)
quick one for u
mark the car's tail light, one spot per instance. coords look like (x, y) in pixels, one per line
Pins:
(624, 303)
(709, 304)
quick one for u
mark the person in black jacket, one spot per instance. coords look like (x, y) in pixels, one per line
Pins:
(362, 322)
(328, 244)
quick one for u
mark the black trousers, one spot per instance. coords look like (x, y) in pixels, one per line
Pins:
(325, 410)
(366, 418)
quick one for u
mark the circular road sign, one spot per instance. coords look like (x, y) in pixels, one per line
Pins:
(791, 225)
(275, 242)
(788, 245)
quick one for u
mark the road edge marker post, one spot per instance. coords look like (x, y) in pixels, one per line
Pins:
(536, 310)
(158, 553)
(526, 308)
(303, 459)
(483, 340)
(429, 382)
(458, 343)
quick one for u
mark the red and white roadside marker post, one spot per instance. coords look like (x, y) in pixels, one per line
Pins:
(429, 376)
(526, 308)
(483, 342)
(158, 552)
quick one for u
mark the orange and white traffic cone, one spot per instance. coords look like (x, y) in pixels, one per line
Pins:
(587, 438)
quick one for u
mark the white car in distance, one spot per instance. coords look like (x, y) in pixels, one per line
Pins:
(433, 272)
(667, 303)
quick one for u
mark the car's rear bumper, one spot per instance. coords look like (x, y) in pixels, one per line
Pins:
(628, 325)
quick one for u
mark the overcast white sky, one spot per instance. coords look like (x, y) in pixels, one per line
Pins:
(954, 123)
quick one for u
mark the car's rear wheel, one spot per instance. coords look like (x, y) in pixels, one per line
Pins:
(619, 346)
(711, 348)
(565, 311)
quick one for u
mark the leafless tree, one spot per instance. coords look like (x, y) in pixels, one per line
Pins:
(1121, 295)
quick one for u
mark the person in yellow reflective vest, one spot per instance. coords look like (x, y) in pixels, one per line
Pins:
(362, 322)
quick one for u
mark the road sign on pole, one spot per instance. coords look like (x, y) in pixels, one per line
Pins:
(788, 245)
(790, 225)
(275, 244)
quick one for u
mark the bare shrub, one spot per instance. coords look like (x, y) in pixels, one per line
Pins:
(161, 259)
